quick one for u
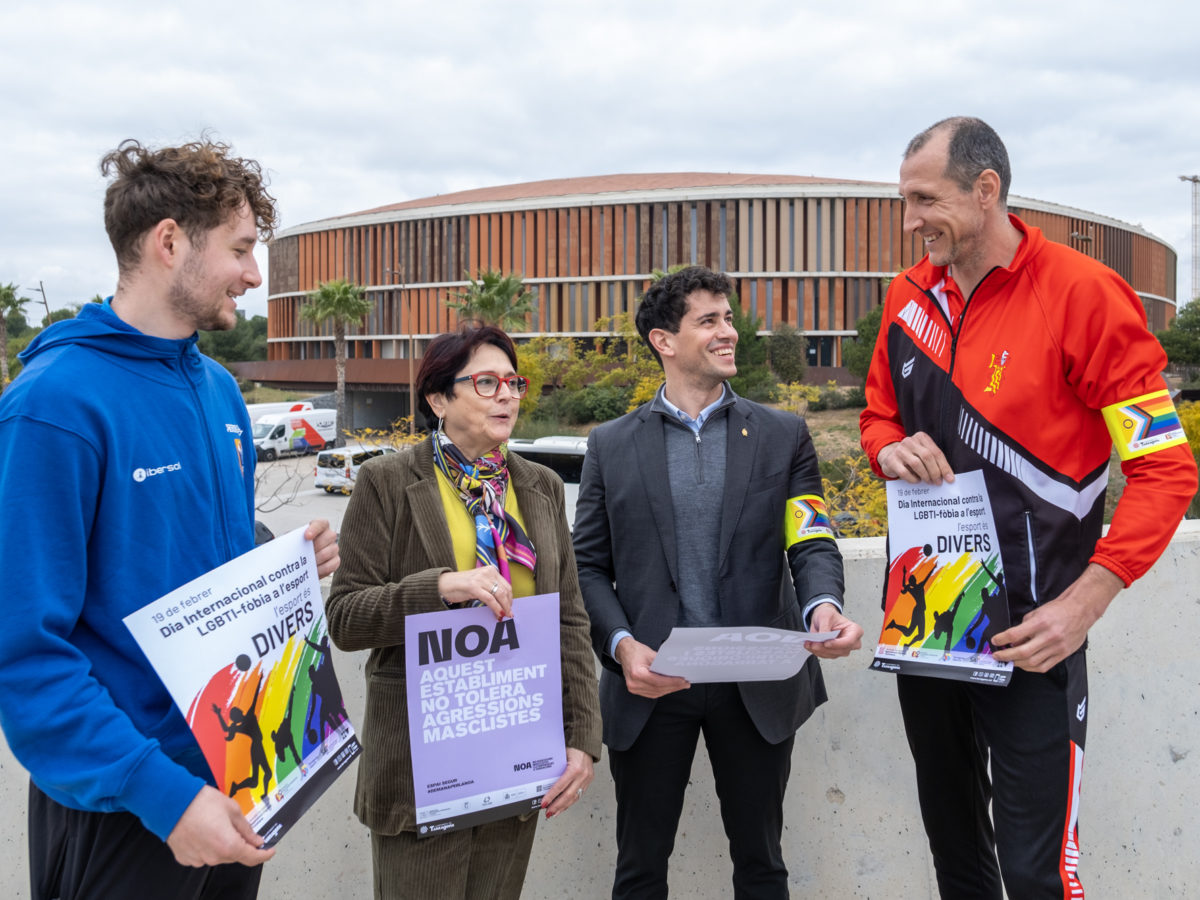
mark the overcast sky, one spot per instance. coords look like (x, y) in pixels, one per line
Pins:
(351, 106)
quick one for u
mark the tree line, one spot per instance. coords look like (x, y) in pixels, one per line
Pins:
(246, 341)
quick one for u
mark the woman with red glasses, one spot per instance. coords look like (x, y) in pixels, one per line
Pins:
(456, 521)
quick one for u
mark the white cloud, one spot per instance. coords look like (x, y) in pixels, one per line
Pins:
(354, 106)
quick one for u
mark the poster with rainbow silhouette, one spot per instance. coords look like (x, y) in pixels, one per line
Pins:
(244, 652)
(945, 595)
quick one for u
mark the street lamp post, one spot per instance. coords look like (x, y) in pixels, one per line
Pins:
(45, 302)
(398, 274)
(1195, 180)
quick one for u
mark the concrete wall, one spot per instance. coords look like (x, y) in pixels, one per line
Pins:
(852, 825)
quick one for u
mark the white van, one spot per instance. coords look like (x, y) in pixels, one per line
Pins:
(258, 410)
(297, 432)
(337, 469)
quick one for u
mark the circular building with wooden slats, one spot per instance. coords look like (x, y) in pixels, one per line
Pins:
(815, 253)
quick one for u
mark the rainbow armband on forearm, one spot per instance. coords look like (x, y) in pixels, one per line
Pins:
(807, 518)
(1144, 424)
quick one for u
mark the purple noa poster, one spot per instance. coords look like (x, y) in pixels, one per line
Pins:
(484, 712)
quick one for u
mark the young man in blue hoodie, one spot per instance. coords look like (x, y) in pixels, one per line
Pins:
(126, 470)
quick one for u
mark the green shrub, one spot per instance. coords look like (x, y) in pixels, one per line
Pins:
(606, 403)
(787, 353)
(856, 353)
(855, 397)
(594, 403)
(831, 396)
(551, 408)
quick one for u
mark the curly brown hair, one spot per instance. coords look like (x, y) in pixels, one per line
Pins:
(199, 185)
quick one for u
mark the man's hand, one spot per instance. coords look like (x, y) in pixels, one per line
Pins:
(827, 617)
(570, 786)
(1055, 630)
(213, 831)
(915, 459)
(325, 546)
(635, 659)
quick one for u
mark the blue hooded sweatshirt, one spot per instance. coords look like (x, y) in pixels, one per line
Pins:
(126, 470)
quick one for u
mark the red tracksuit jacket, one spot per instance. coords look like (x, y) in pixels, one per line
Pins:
(1018, 388)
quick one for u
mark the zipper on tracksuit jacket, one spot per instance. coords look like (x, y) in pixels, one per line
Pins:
(955, 330)
(940, 437)
(1033, 593)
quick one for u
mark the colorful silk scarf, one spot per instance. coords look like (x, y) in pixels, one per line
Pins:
(482, 484)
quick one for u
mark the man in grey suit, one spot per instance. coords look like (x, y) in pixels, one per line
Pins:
(701, 508)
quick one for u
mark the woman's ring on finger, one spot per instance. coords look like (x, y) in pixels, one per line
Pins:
(495, 586)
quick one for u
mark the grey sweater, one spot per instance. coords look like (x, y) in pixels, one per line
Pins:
(696, 469)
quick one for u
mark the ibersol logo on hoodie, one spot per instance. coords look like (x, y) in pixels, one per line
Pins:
(140, 475)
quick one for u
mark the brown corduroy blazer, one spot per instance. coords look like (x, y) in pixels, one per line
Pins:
(394, 544)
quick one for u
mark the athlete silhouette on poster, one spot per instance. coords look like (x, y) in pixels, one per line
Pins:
(916, 624)
(245, 722)
(245, 653)
(283, 738)
(945, 596)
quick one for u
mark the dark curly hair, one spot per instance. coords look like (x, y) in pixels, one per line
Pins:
(199, 185)
(665, 302)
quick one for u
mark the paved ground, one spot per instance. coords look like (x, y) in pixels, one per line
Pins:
(286, 499)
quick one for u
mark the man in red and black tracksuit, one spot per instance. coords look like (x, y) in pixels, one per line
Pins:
(1005, 352)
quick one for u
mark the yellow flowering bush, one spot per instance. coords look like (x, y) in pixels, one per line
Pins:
(797, 397)
(395, 435)
(857, 499)
(644, 391)
(1189, 416)
(530, 363)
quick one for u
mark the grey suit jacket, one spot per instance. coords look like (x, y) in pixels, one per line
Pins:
(625, 545)
(394, 544)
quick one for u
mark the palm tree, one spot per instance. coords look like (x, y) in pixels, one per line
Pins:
(9, 303)
(495, 299)
(344, 302)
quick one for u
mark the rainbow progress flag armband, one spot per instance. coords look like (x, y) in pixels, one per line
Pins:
(1144, 424)
(807, 518)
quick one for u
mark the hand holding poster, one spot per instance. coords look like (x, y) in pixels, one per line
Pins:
(945, 585)
(245, 654)
(484, 712)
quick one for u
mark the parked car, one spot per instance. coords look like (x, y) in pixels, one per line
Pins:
(562, 453)
(337, 469)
